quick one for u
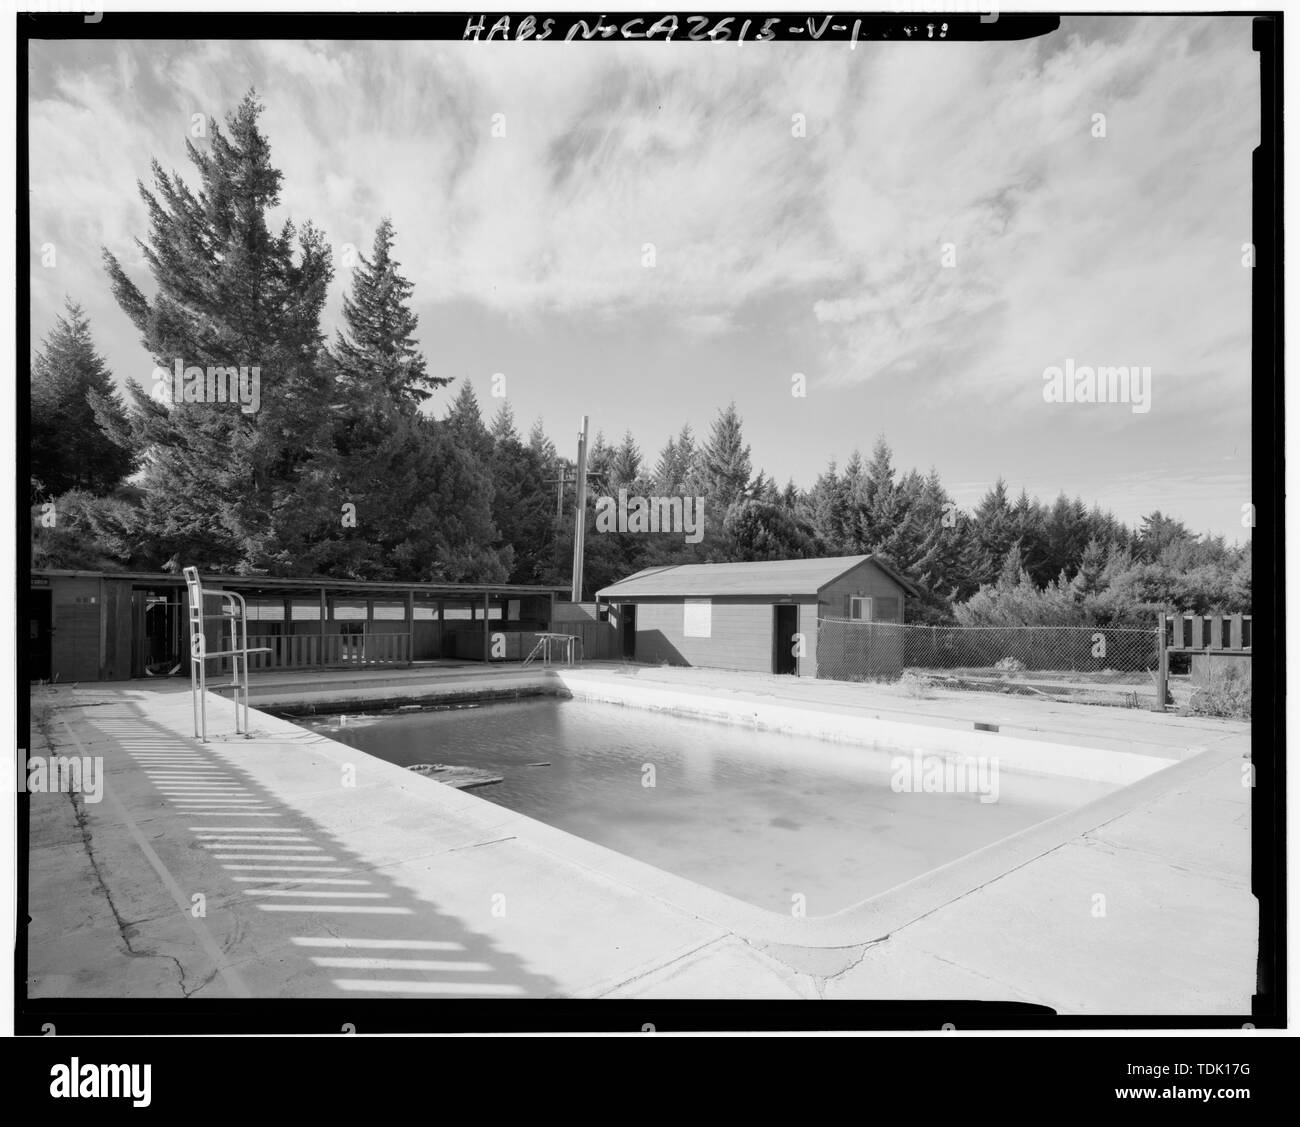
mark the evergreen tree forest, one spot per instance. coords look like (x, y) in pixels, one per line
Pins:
(360, 462)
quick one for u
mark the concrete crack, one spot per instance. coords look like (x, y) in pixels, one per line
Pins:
(79, 815)
(822, 981)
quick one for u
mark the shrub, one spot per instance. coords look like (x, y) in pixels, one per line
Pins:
(914, 684)
(1226, 693)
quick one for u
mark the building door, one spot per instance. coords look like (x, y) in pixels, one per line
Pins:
(158, 648)
(627, 613)
(38, 637)
(785, 619)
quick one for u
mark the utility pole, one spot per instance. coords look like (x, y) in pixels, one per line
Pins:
(564, 479)
(580, 517)
(561, 481)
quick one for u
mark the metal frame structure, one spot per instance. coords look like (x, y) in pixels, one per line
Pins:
(548, 640)
(234, 610)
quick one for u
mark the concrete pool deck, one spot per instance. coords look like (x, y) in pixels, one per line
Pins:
(325, 872)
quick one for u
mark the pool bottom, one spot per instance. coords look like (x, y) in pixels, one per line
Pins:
(792, 825)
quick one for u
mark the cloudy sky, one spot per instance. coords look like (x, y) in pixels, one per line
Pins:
(774, 253)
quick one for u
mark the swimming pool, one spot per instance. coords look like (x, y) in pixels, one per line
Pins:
(781, 822)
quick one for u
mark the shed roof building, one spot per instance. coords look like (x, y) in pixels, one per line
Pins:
(762, 616)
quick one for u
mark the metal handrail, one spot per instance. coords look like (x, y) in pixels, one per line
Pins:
(199, 653)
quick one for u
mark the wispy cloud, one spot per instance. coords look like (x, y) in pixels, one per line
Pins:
(796, 192)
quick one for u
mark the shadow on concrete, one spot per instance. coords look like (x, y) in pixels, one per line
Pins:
(293, 912)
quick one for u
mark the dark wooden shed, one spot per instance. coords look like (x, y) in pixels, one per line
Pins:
(109, 626)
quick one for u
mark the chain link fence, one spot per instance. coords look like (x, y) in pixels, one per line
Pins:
(1089, 664)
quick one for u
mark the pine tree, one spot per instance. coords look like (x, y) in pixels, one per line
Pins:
(991, 535)
(1088, 579)
(761, 530)
(394, 472)
(1066, 530)
(1012, 568)
(522, 506)
(1157, 533)
(933, 557)
(675, 472)
(378, 352)
(827, 505)
(465, 424)
(419, 508)
(600, 459)
(542, 446)
(665, 474)
(625, 468)
(503, 424)
(79, 437)
(220, 477)
(881, 505)
(1029, 528)
(688, 462)
(725, 465)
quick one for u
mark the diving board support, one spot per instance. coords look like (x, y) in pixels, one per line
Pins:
(235, 611)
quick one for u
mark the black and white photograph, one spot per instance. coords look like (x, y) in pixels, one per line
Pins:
(701, 516)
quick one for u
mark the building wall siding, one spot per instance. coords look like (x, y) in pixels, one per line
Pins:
(883, 657)
(866, 579)
(118, 630)
(75, 614)
(808, 628)
(741, 634)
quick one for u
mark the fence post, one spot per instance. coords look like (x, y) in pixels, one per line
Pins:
(1162, 676)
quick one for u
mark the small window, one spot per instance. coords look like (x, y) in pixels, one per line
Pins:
(697, 618)
(860, 608)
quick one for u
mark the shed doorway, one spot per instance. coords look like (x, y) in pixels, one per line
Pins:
(38, 636)
(628, 621)
(785, 625)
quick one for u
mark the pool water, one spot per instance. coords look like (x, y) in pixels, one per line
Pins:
(763, 817)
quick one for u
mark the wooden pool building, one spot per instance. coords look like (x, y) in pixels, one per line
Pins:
(766, 616)
(110, 626)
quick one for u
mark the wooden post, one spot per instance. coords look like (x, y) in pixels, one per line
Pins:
(410, 626)
(1162, 676)
(580, 513)
(324, 615)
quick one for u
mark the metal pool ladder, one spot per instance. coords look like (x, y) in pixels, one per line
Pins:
(235, 611)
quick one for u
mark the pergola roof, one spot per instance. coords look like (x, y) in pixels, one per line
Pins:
(313, 584)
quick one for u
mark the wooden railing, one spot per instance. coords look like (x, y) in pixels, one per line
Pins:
(338, 651)
(1208, 633)
(1230, 635)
